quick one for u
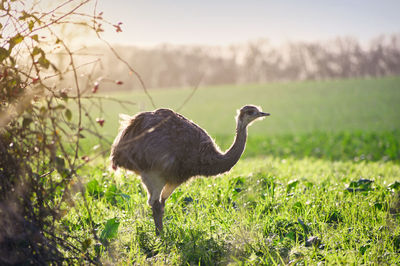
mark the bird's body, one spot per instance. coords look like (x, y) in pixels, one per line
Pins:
(166, 149)
(166, 142)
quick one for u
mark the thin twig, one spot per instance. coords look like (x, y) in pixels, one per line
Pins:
(78, 94)
(127, 65)
(46, 26)
(191, 94)
(103, 97)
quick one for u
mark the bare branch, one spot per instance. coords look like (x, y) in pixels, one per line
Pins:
(191, 94)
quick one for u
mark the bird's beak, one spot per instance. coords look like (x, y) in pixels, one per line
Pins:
(264, 114)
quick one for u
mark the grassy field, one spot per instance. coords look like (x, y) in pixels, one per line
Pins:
(297, 107)
(339, 120)
(265, 211)
(319, 182)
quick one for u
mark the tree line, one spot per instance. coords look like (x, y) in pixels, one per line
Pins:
(254, 62)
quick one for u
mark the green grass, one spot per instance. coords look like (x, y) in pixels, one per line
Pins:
(296, 196)
(356, 146)
(262, 212)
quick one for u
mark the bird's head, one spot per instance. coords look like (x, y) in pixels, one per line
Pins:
(248, 114)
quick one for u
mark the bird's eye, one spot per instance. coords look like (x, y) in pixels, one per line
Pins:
(250, 112)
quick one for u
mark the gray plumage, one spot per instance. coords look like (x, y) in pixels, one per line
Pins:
(166, 149)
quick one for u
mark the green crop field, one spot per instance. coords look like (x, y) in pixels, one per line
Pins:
(319, 181)
(297, 107)
(345, 119)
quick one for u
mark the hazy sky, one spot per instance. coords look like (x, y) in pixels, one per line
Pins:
(231, 21)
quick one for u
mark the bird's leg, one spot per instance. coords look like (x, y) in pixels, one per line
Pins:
(154, 184)
(166, 192)
(159, 205)
(158, 212)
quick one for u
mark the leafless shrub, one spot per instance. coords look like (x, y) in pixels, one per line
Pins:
(42, 122)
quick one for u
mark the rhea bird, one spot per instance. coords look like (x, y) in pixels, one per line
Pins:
(166, 149)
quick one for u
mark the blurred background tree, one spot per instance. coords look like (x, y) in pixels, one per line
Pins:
(258, 61)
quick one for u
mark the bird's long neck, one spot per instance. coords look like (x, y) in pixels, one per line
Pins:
(226, 161)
